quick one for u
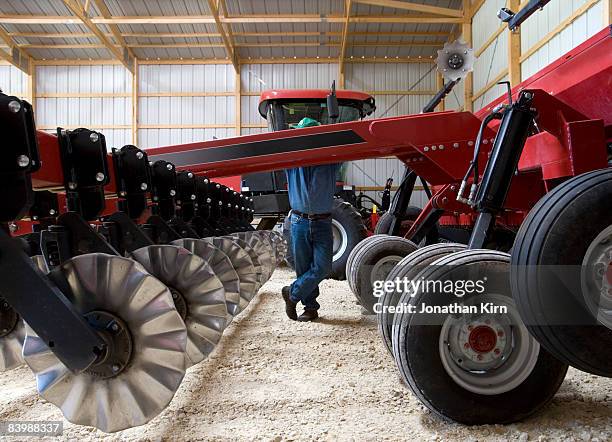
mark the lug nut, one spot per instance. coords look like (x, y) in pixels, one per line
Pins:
(169, 166)
(23, 161)
(115, 327)
(206, 181)
(94, 137)
(52, 212)
(208, 200)
(14, 106)
(143, 186)
(13, 228)
(172, 192)
(190, 175)
(72, 185)
(218, 186)
(193, 197)
(139, 155)
(100, 177)
(116, 368)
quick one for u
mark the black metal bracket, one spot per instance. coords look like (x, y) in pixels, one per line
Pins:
(441, 95)
(159, 230)
(85, 169)
(514, 20)
(45, 209)
(163, 192)
(19, 157)
(129, 236)
(133, 179)
(402, 200)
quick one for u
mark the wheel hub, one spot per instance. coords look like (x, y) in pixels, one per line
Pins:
(383, 267)
(480, 344)
(118, 344)
(179, 302)
(9, 318)
(597, 277)
(482, 339)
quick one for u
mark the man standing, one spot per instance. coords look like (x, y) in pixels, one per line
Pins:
(311, 196)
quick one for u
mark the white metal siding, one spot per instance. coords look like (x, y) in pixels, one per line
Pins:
(13, 81)
(385, 77)
(195, 111)
(90, 112)
(543, 22)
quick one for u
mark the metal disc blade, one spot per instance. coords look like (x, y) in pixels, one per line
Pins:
(139, 392)
(195, 288)
(40, 262)
(12, 335)
(262, 250)
(243, 265)
(221, 266)
(254, 258)
(266, 236)
(280, 244)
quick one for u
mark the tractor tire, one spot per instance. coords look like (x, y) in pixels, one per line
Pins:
(384, 223)
(474, 368)
(562, 252)
(350, 271)
(348, 231)
(374, 262)
(407, 269)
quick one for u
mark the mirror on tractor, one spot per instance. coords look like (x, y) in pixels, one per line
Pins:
(333, 110)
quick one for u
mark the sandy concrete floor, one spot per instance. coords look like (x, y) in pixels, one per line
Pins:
(274, 379)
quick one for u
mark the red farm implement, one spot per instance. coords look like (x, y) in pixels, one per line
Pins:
(528, 172)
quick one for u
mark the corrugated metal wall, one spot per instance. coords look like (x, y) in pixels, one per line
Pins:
(185, 95)
(13, 81)
(539, 25)
(386, 78)
(104, 100)
(494, 59)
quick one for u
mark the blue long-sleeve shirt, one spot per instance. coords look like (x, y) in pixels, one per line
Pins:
(312, 188)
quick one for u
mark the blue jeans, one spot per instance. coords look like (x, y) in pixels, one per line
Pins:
(312, 246)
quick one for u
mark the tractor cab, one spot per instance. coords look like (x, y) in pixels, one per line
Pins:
(284, 109)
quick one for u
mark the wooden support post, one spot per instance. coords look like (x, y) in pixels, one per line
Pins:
(467, 37)
(514, 49)
(607, 6)
(238, 95)
(31, 93)
(440, 85)
(135, 98)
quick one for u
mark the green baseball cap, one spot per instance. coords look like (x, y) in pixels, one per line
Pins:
(307, 122)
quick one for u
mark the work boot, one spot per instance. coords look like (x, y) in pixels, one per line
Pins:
(289, 304)
(308, 315)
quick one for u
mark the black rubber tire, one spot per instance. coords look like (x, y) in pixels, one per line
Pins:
(368, 257)
(348, 217)
(408, 268)
(417, 354)
(558, 232)
(384, 223)
(349, 262)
